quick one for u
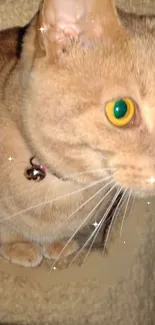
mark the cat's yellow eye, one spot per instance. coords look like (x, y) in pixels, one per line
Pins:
(121, 112)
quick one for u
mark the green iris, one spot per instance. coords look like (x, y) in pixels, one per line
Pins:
(120, 109)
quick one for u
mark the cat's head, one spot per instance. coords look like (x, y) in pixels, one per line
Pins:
(89, 94)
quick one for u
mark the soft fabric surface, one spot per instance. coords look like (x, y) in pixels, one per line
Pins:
(115, 290)
(14, 12)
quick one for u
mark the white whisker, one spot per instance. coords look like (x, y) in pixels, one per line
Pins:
(87, 201)
(56, 199)
(113, 218)
(126, 208)
(81, 173)
(83, 222)
(96, 230)
(132, 205)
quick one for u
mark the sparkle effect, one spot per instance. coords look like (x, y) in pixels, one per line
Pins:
(42, 29)
(95, 224)
(151, 180)
(10, 158)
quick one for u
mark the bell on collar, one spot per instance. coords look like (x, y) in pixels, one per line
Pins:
(35, 172)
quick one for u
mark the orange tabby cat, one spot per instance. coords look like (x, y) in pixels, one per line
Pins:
(76, 92)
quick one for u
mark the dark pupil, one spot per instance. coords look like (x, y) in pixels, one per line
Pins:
(120, 109)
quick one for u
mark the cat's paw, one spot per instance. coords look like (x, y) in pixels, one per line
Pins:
(24, 254)
(54, 250)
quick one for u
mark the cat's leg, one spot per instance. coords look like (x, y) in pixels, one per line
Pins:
(54, 250)
(18, 251)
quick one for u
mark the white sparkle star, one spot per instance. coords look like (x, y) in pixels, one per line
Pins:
(151, 180)
(10, 159)
(54, 268)
(148, 203)
(95, 224)
(42, 29)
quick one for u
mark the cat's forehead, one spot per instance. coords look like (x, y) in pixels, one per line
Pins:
(126, 67)
(144, 66)
(132, 56)
(128, 64)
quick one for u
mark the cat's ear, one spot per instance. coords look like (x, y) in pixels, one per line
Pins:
(64, 20)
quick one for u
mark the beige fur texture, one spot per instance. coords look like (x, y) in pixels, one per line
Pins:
(55, 101)
(68, 65)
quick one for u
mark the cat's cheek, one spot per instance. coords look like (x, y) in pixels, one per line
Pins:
(139, 183)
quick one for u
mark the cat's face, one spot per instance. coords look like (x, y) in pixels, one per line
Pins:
(71, 116)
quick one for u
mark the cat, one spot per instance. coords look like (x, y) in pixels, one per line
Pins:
(77, 95)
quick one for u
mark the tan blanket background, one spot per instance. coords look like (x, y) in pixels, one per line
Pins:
(114, 290)
(14, 12)
(20, 11)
